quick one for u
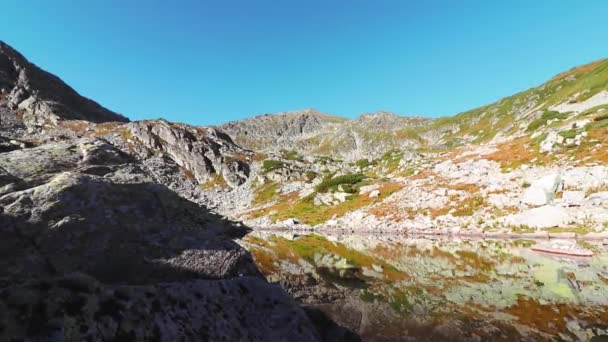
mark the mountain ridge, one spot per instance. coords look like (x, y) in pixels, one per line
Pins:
(579, 88)
(41, 96)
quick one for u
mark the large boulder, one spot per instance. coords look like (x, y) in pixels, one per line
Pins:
(573, 198)
(76, 307)
(133, 233)
(542, 217)
(542, 191)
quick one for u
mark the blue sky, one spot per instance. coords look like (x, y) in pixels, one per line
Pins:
(207, 62)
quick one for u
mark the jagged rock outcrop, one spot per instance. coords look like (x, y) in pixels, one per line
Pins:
(264, 128)
(312, 132)
(203, 151)
(39, 97)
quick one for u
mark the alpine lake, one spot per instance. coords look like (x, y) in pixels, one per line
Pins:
(400, 288)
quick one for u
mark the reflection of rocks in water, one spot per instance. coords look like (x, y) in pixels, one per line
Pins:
(376, 321)
(307, 289)
(391, 288)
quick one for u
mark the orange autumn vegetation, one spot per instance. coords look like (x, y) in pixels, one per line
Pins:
(290, 206)
(589, 148)
(551, 318)
(514, 153)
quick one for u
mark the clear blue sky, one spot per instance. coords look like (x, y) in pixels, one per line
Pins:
(206, 62)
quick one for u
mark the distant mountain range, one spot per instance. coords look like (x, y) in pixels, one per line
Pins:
(370, 135)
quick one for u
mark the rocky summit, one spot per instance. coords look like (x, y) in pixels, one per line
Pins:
(135, 231)
(311, 132)
(40, 98)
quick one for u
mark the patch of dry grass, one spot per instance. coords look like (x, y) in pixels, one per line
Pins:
(392, 210)
(589, 151)
(265, 193)
(512, 154)
(216, 181)
(470, 188)
(290, 206)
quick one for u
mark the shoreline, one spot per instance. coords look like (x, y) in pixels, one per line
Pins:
(541, 235)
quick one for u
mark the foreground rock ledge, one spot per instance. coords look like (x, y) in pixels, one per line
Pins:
(93, 248)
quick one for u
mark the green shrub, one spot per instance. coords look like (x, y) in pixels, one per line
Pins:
(310, 176)
(291, 155)
(332, 183)
(548, 115)
(270, 165)
(569, 134)
(363, 163)
(348, 188)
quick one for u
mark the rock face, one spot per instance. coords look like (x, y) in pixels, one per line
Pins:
(78, 308)
(98, 240)
(311, 132)
(92, 248)
(202, 151)
(40, 97)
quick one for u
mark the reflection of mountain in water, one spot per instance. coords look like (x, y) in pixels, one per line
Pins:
(389, 287)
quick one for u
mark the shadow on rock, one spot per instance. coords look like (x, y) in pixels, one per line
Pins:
(83, 258)
(118, 233)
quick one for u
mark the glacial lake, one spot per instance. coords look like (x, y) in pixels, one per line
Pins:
(398, 288)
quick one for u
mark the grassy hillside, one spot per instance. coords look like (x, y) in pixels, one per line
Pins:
(526, 111)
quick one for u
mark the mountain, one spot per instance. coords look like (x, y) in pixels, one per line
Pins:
(312, 132)
(40, 97)
(566, 95)
(103, 234)
(122, 230)
(484, 170)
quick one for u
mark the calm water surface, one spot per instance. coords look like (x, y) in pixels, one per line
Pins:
(389, 288)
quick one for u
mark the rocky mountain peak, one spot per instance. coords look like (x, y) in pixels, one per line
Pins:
(39, 97)
(382, 116)
(378, 114)
(290, 124)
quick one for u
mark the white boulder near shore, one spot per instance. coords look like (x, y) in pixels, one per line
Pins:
(573, 198)
(542, 191)
(542, 217)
